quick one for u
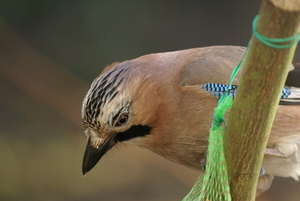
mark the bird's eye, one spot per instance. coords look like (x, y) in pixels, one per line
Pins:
(122, 119)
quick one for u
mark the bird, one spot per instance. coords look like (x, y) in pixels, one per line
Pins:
(165, 102)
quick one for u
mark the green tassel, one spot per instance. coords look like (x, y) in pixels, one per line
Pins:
(213, 184)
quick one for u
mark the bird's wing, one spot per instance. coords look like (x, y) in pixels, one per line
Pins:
(214, 65)
(212, 71)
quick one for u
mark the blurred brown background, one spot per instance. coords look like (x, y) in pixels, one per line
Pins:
(50, 51)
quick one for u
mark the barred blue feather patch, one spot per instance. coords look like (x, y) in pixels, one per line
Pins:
(217, 90)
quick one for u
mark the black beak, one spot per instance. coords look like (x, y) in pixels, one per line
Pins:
(93, 155)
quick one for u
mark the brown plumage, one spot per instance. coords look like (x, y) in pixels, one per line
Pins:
(156, 102)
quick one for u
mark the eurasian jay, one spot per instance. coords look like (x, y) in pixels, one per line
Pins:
(165, 102)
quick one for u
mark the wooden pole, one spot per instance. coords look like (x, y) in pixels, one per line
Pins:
(264, 73)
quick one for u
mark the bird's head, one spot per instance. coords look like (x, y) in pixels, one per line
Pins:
(109, 111)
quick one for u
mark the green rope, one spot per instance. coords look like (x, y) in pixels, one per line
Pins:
(213, 184)
(271, 42)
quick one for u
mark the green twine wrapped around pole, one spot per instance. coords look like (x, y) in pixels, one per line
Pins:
(274, 42)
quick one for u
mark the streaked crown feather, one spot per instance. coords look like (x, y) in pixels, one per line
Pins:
(108, 95)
